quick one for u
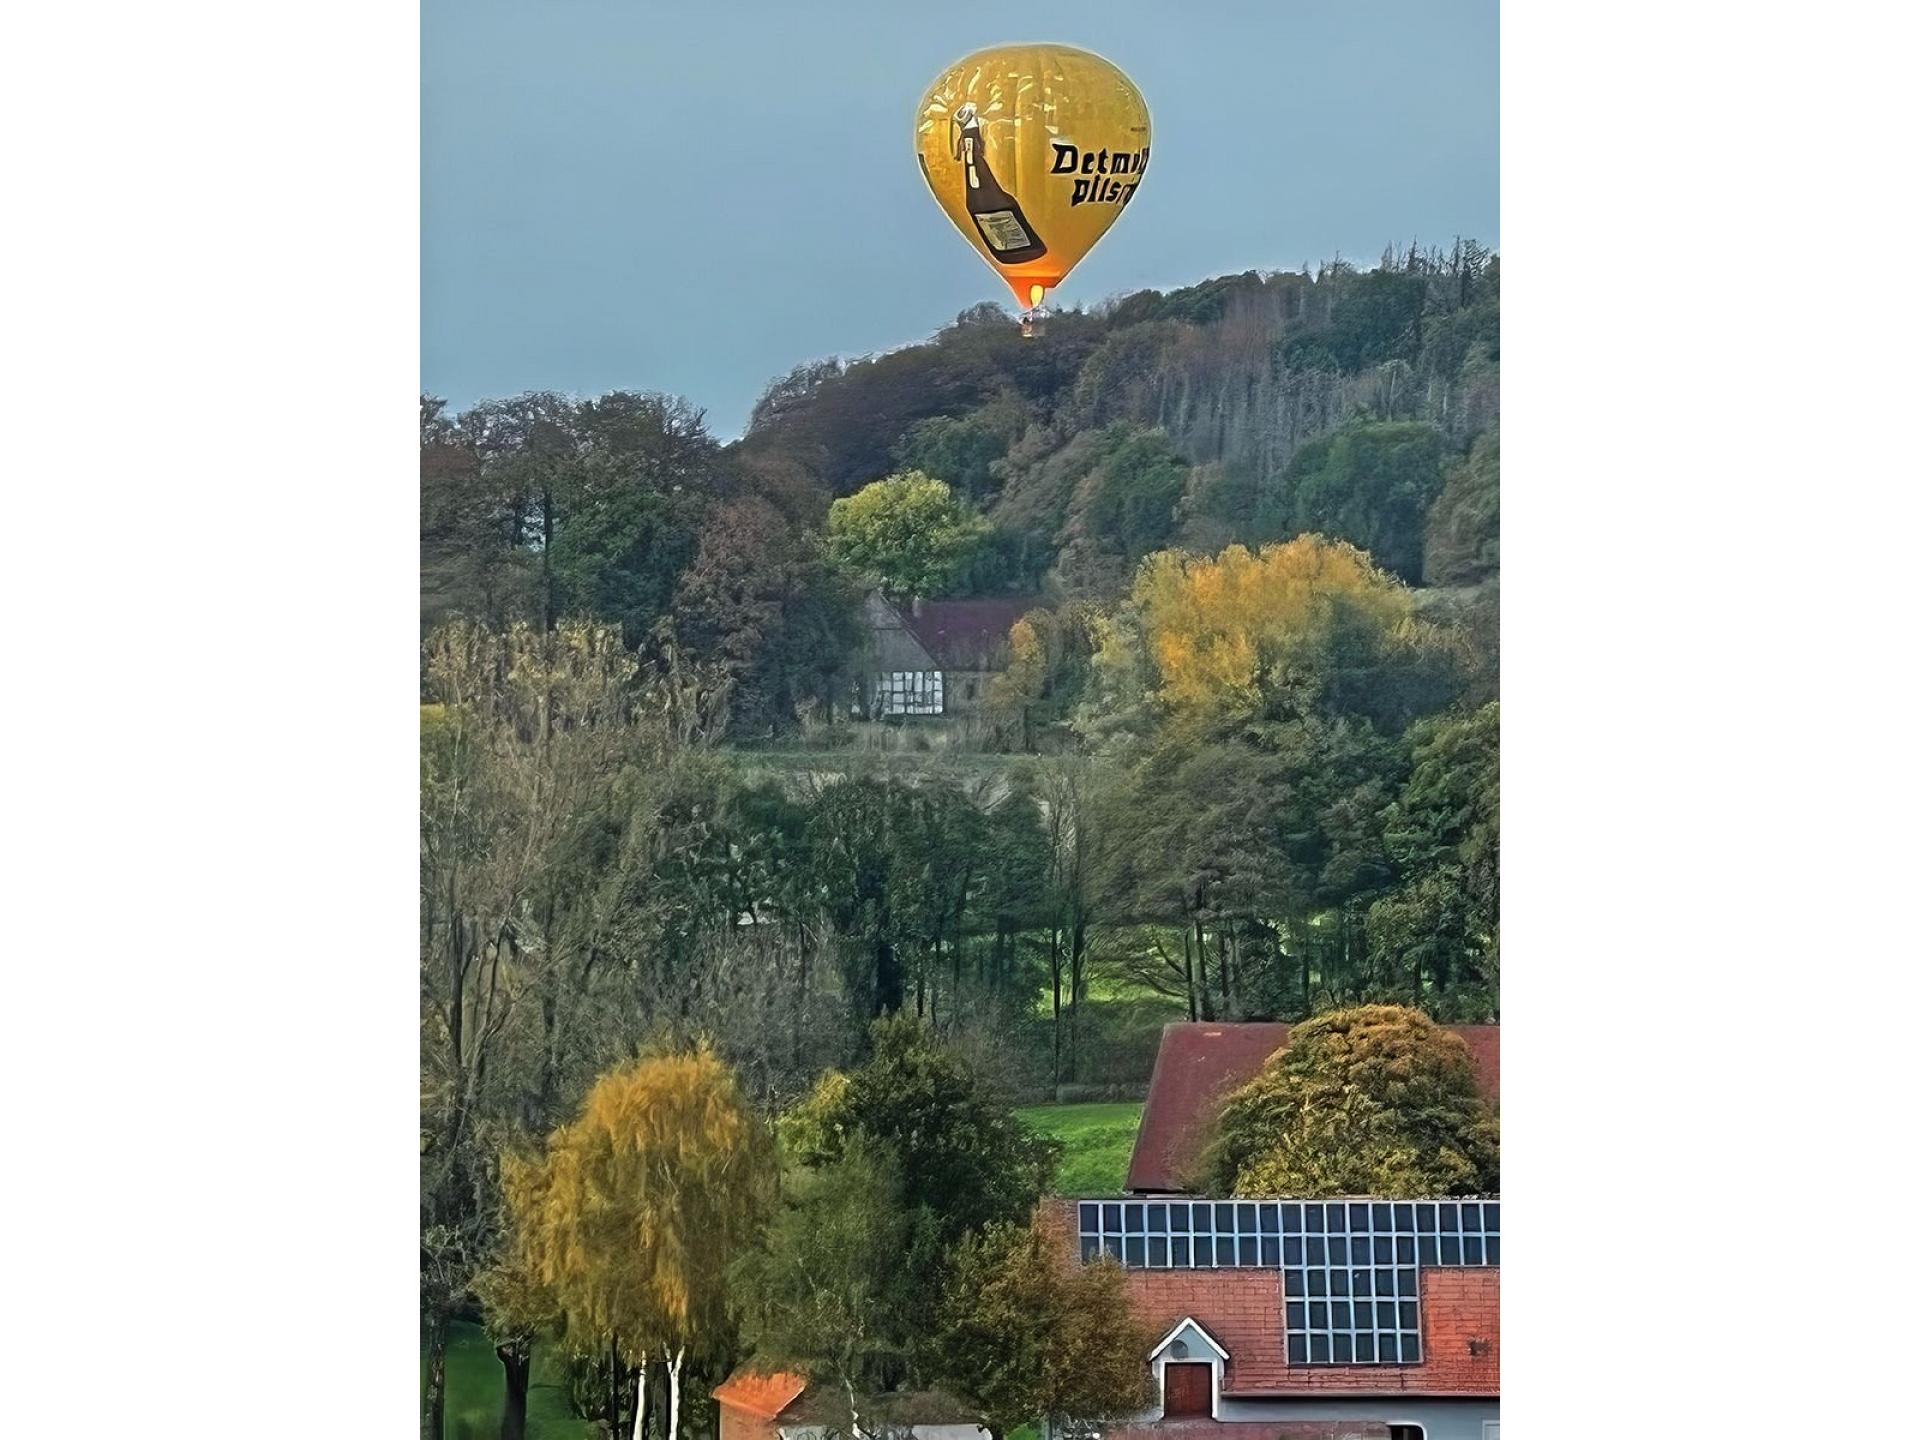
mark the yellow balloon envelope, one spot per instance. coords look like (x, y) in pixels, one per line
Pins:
(1033, 151)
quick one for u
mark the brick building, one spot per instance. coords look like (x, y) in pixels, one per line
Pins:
(1350, 1319)
(1274, 1319)
(1357, 1319)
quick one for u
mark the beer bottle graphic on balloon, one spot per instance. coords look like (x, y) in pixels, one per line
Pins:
(996, 214)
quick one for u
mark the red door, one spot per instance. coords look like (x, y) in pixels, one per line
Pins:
(1189, 1390)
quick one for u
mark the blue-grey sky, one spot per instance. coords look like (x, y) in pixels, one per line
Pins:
(697, 196)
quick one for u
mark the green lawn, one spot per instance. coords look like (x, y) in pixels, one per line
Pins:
(1098, 1140)
(475, 1385)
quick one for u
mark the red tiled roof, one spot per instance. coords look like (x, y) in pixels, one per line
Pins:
(764, 1395)
(1199, 1062)
(1239, 1308)
(968, 634)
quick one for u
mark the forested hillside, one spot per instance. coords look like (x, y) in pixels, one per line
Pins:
(1248, 408)
(1253, 779)
(1243, 762)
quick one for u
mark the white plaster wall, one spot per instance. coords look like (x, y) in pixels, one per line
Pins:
(920, 1432)
(1441, 1419)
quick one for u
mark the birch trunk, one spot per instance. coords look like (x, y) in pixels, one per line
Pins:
(673, 1392)
(853, 1414)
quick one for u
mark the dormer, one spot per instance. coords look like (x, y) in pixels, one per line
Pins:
(1189, 1369)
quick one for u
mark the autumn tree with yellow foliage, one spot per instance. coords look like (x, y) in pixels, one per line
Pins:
(631, 1217)
(1229, 635)
(1261, 700)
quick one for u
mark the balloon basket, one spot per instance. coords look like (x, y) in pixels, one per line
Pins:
(1034, 322)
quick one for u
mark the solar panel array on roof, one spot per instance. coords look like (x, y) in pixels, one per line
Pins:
(1351, 1268)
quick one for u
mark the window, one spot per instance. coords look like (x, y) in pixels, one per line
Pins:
(911, 692)
(1406, 1432)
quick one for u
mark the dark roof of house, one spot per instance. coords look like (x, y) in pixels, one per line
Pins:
(1198, 1063)
(968, 634)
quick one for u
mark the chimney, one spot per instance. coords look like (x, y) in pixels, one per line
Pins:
(917, 603)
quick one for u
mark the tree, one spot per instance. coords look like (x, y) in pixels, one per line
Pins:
(525, 447)
(1443, 831)
(963, 1156)
(1463, 527)
(902, 871)
(761, 602)
(907, 532)
(1376, 317)
(516, 1308)
(1256, 703)
(1023, 1332)
(639, 1205)
(1371, 483)
(1240, 634)
(521, 742)
(831, 1291)
(595, 502)
(1129, 498)
(1372, 1100)
(523, 737)
(444, 1274)
(1065, 786)
(1051, 652)
(635, 498)
(851, 844)
(1238, 840)
(472, 559)
(619, 554)
(961, 451)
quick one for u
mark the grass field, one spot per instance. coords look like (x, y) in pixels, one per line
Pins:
(475, 1385)
(1098, 1141)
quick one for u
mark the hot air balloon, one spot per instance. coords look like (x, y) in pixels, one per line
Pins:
(1033, 151)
